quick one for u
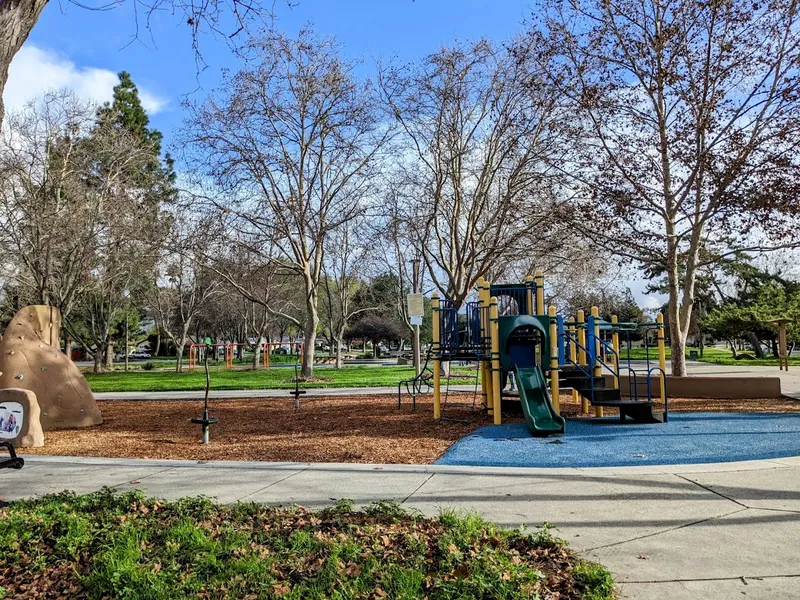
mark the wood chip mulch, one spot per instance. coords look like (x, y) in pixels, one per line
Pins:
(359, 429)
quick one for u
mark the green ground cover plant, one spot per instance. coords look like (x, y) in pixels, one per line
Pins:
(107, 545)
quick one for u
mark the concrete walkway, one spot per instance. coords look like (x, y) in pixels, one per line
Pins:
(708, 531)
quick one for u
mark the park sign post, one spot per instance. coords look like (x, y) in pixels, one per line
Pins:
(416, 310)
(416, 305)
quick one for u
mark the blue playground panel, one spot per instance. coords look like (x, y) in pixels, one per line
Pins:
(687, 438)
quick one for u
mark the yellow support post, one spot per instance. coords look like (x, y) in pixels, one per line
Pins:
(615, 346)
(437, 362)
(539, 292)
(573, 356)
(597, 370)
(554, 391)
(494, 321)
(662, 357)
(580, 320)
(486, 383)
(529, 296)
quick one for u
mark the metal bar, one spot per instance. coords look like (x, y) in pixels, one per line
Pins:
(663, 377)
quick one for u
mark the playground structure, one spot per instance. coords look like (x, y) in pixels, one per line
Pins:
(418, 385)
(507, 331)
(197, 352)
(230, 351)
(30, 359)
(295, 348)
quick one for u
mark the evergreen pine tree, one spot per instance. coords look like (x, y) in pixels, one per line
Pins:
(125, 111)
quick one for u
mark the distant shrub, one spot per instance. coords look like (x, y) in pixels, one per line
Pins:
(148, 366)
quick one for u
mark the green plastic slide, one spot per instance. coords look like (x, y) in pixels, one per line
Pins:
(536, 404)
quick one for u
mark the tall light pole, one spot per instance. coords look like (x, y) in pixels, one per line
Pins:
(414, 289)
(126, 293)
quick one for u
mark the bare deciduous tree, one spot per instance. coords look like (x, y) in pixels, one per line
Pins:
(183, 282)
(477, 192)
(49, 224)
(343, 273)
(74, 215)
(291, 141)
(686, 129)
(266, 291)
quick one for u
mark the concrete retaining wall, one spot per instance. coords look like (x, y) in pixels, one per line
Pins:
(710, 387)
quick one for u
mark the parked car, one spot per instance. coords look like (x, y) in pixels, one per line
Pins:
(281, 350)
(139, 355)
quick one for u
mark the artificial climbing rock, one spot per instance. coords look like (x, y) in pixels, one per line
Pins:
(30, 359)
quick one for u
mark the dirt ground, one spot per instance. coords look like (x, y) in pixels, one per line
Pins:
(365, 429)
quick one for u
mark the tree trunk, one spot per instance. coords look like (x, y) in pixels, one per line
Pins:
(677, 338)
(257, 353)
(310, 329)
(98, 361)
(339, 356)
(755, 343)
(110, 356)
(68, 346)
(179, 358)
(733, 347)
(310, 334)
(17, 18)
(158, 343)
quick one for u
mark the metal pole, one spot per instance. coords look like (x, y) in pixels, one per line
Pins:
(582, 352)
(415, 341)
(597, 370)
(437, 362)
(494, 323)
(126, 341)
(662, 357)
(484, 295)
(539, 278)
(554, 387)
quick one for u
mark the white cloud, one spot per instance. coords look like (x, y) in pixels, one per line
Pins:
(36, 70)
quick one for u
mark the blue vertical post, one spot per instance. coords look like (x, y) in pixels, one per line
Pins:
(591, 349)
(562, 340)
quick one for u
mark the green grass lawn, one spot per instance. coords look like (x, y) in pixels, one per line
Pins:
(640, 354)
(715, 356)
(168, 362)
(128, 546)
(245, 379)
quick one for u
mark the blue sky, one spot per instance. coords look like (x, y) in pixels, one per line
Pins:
(80, 49)
(75, 47)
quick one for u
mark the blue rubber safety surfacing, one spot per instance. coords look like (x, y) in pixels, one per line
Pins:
(686, 438)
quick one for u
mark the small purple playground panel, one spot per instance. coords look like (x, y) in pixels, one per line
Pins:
(687, 438)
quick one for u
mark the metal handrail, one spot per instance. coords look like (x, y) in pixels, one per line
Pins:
(578, 345)
(646, 345)
(608, 346)
(666, 396)
(417, 382)
(635, 383)
(590, 373)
